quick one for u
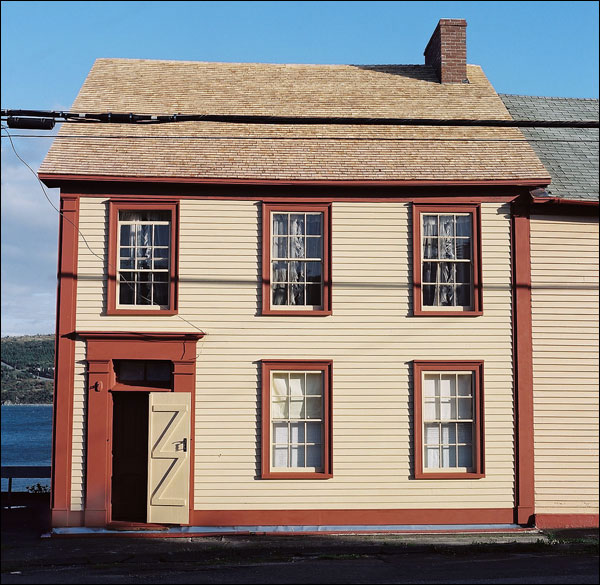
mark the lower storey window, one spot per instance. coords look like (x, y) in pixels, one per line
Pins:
(296, 425)
(448, 419)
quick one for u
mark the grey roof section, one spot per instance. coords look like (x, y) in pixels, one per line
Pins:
(569, 154)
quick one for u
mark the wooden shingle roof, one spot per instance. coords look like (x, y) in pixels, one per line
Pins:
(209, 150)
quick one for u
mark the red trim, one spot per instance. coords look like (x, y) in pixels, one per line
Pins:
(476, 368)
(116, 205)
(475, 211)
(267, 209)
(102, 348)
(563, 201)
(322, 366)
(66, 302)
(548, 521)
(351, 517)
(54, 180)
(523, 363)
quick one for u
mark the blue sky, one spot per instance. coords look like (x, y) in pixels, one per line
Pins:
(531, 48)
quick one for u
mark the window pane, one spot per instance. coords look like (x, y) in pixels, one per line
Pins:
(313, 224)
(446, 225)
(314, 384)
(161, 235)
(446, 272)
(429, 295)
(463, 225)
(313, 248)
(297, 296)
(297, 247)
(280, 247)
(449, 456)
(463, 272)
(296, 408)
(279, 408)
(280, 293)
(297, 224)
(432, 434)
(465, 409)
(313, 271)
(430, 412)
(297, 432)
(280, 224)
(314, 407)
(430, 225)
(430, 385)
(463, 296)
(465, 433)
(280, 456)
(127, 235)
(297, 384)
(161, 258)
(313, 433)
(296, 273)
(131, 370)
(447, 248)
(465, 456)
(280, 271)
(430, 248)
(464, 384)
(432, 457)
(144, 235)
(279, 387)
(463, 248)
(126, 293)
(144, 293)
(449, 434)
(297, 456)
(280, 433)
(314, 456)
(430, 271)
(158, 371)
(448, 385)
(446, 296)
(161, 294)
(313, 295)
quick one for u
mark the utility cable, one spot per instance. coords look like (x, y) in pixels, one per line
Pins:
(101, 258)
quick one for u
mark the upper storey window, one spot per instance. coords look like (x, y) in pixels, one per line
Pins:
(446, 266)
(143, 258)
(296, 260)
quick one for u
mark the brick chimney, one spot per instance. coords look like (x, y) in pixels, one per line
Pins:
(446, 51)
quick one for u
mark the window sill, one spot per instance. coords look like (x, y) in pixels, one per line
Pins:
(422, 313)
(295, 475)
(144, 312)
(449, 475)
(302, 313)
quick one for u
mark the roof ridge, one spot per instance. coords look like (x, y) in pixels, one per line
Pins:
(545, 97)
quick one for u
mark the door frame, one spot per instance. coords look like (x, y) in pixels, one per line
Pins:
(102, 349)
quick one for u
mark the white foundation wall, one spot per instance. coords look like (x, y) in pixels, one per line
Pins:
(371, 338)
(564, 279)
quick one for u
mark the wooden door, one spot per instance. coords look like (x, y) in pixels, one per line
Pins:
(169, 457)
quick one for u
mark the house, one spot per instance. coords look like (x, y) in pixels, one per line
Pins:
(564, 299)
(315, 318)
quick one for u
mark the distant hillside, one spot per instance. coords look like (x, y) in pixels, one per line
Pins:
(27, 369)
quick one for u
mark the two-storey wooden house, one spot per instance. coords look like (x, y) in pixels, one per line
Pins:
(303, 321)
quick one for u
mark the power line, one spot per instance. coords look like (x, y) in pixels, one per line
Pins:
(19, 119)
(294, 138)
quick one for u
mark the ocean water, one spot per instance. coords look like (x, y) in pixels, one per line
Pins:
(26, 440)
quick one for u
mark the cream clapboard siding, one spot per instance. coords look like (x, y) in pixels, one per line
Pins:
(370, 338)
(564, 260)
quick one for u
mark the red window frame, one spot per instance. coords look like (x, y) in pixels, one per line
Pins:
(326, 367)
(267, 210)
(477, 289)
(476, 369)
(115, 206)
